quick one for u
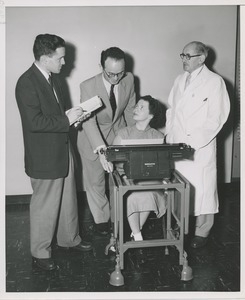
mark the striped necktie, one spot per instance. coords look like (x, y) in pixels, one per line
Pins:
(50, 80)
(188, 80)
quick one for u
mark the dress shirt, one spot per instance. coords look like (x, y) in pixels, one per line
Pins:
(46, 75)
(108, 88)
(195, 73)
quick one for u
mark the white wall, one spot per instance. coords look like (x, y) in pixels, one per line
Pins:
(152, 36)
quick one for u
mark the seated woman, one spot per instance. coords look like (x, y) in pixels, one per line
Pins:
(140, 203)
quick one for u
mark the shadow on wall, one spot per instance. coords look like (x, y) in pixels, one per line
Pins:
(130, 68)
(129, 60)
(70, 60)
(230, 124)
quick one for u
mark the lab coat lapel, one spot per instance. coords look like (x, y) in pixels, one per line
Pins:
(194, 84)
(191, 102)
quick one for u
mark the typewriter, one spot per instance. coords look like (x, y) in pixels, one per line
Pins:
(149, 161)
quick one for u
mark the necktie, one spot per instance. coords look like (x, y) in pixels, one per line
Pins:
(188, 80)
(113, 100)
(50, 80)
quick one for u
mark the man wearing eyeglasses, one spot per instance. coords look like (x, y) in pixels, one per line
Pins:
(199, 106)
(115, 87)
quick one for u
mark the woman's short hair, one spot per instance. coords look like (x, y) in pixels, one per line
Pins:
(155, 109)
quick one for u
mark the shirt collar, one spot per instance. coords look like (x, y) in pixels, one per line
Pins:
(146, 129)
(195, 73)
(108, 86)
(45, 74)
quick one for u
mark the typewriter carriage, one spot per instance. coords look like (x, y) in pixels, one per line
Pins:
(148, 161)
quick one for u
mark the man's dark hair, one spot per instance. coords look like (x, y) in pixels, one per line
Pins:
(46, 44)
(113, 52)
(155, 109)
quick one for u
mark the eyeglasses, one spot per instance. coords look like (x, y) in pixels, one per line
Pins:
(139, 107)
(188, 56)
(118, 75)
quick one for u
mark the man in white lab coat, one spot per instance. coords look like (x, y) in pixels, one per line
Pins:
(199, 106)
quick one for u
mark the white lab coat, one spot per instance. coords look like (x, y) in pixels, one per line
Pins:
(195, 117)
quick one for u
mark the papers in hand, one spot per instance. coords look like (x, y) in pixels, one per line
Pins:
(141, 141)
(88, 106)
(91, 104)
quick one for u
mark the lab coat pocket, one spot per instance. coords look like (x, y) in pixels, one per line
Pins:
(197, 108)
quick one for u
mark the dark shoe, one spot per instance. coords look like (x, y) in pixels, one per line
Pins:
(102, 228)
(111, 252)
(46, 264)
(61, 248)
(83, 246)
(199, 242)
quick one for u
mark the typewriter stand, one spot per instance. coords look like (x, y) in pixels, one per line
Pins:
(178, 192)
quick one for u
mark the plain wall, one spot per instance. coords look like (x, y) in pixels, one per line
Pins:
(153, 37)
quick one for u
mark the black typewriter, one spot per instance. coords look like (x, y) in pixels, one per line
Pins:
(149, 161)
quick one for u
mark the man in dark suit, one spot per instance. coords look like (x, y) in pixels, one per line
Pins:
(116, 89)
(48, 159)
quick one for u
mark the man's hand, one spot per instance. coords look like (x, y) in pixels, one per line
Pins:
(76, 115)
(125, 180)
(107, 165)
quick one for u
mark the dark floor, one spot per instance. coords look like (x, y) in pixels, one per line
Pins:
(216, 267)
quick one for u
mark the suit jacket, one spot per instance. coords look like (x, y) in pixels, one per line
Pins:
(101, 129)
(195, 117)
(45, 126)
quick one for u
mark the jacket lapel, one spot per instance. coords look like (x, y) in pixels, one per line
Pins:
(102, 92)
(121, 96)
(59, 95)
(193, 84)
(46, 88)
